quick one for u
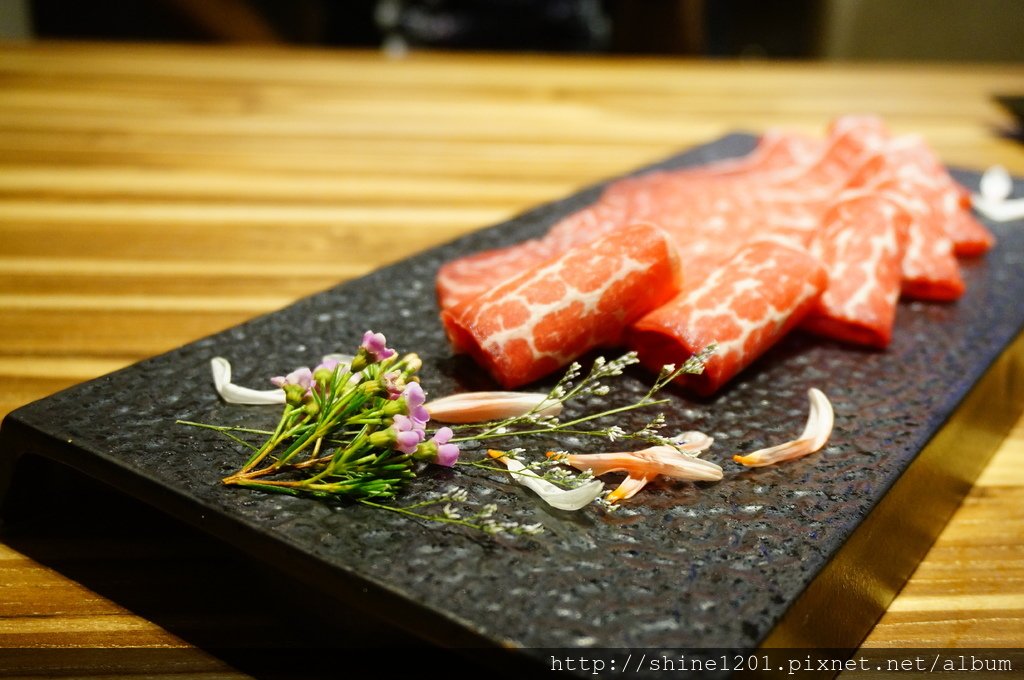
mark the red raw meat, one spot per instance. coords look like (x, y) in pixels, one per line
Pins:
(861, 246)
(930, 270)
(909, 167)
(775, 151)
(744, 306)
(466, 278)
(860, 196)
(780, 189)
(621, 204)
(970, 237)
(547, 316)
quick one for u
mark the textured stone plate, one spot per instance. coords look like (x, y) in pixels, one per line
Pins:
(684, 566)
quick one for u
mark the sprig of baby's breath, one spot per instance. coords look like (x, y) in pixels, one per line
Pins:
(571, 387)
(481, 518)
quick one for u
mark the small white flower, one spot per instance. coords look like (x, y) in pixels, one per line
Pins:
(457, 495)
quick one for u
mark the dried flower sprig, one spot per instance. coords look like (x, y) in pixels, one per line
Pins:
(542, 418)
(481, 519)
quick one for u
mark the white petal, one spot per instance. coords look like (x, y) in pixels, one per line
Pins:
(694, 469)
(692, 442)
(1009, 210)
(553, 495)
(996, 184)
(820, 420)
(629, 487)
(233, 394)
(479, 407)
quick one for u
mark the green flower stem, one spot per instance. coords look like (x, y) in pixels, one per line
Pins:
(224, 429)
(280, 434)
(227, 430)
(358, 442)
(429, 518)
(263, 486)
(296, 488)
(301, 442)
(312, 462)
(345, 405)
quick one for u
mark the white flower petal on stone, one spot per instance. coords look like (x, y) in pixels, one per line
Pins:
(692, 442)
(480, 407)
(643, 466)
(235, 394)
(553, 495)
(816, 433)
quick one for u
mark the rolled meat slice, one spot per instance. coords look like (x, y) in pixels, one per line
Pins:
(744, 306)
(861, 246)
(780, 188)
(930, 270)
(970, 237)
(467, 277)
(550, 314)
(910, 165)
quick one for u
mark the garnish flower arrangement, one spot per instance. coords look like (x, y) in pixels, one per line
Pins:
(357, 427)
(353, 429)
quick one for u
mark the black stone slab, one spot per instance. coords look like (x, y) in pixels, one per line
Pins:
(684, 566)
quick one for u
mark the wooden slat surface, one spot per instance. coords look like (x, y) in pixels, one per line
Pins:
(150, 195)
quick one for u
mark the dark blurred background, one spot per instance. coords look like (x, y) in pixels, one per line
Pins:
(957, 30)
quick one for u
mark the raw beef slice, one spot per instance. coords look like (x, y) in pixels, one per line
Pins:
(548, 315)
(744, 307)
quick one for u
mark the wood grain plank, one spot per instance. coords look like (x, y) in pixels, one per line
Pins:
(154, 194)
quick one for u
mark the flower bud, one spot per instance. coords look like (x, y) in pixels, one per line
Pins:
(370, 388)
(383, 439)
(373, 349)
(393, 383)
(405, 434)
(411, 363)
(294, 394)
(438, 450)
(323, 376)
(361, 360)
(394, 407)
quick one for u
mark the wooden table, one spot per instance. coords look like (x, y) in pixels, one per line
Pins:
(150, 195)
